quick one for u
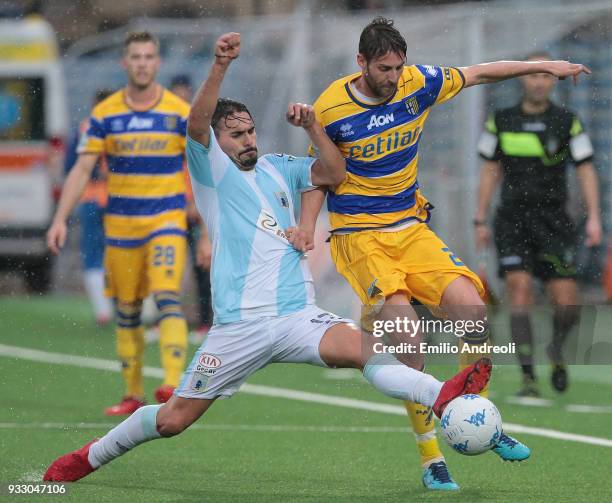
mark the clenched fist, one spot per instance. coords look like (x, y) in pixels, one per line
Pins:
(301, 115)
(227, 48)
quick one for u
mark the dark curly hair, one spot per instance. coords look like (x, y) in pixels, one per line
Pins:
(380, 37)
(225, 108)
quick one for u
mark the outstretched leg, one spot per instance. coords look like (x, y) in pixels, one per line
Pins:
(344, 345)
(147, 423)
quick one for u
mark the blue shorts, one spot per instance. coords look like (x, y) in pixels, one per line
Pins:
(91, 217)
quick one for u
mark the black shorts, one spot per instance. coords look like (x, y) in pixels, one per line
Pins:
(542, 243)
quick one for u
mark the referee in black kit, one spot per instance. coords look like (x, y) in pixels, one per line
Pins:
(526, 148)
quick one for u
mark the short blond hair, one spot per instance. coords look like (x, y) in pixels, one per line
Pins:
(139, 36)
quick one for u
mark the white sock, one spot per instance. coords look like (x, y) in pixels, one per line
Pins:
(140, 427)
(397, 380)
(94, 286)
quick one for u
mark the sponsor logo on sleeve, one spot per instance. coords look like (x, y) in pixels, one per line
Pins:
(431, 70)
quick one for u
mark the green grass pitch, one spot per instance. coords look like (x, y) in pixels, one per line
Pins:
(258, 448)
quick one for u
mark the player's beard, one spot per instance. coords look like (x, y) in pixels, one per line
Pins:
(379, 90)
(247, 163)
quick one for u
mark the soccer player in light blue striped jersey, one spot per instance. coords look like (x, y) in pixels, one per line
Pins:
(262, 289)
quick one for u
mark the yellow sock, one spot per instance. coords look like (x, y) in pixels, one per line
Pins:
(130, 348)
(173, 347)
(423, 426)
(467, 359)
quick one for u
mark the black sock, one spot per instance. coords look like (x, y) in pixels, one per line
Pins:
(520, 326)
(564, 319)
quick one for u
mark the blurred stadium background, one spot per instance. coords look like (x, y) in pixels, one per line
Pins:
(294, 48)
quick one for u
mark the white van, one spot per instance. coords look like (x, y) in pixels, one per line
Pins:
(33, 130)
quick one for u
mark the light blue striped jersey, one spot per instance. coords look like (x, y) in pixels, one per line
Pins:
(255, 271)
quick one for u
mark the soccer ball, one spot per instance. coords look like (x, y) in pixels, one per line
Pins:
(471, 424)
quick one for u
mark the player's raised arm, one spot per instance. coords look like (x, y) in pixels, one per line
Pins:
(227, 48)
(330, 167)
(71, 192)
(486, 73)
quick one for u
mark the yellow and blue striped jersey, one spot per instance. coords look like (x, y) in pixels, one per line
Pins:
(145, 152)
(380, 143)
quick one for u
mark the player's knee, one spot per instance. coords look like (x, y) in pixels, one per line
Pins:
(520, 297)
(128, 314)
(171, 425)
(519, 291)
(168, 304)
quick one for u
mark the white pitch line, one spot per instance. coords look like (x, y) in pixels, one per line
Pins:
(216, 427)
(529, 401)
(270, 391)
(589, 409)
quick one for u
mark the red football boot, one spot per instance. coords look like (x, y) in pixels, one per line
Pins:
(163, 393)
(471, 380)
(70, 467)
(125, 407)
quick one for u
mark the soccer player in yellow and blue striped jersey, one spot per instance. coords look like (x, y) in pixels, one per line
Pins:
(141, 131)
(380, 241)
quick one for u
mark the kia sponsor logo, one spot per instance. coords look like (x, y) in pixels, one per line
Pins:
(208, 360)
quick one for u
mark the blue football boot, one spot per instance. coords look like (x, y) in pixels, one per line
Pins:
(437, 478)
(510, 449)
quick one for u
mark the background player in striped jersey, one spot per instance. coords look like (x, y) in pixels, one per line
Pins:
(141, 130)
(380, 239)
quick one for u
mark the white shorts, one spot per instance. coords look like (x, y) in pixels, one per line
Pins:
(233, 351)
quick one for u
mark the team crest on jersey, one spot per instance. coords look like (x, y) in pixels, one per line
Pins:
(412, 105)
(170, 122)
(283, 200)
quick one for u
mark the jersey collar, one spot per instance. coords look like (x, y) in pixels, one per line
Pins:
(347, 87)
(157, 101)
